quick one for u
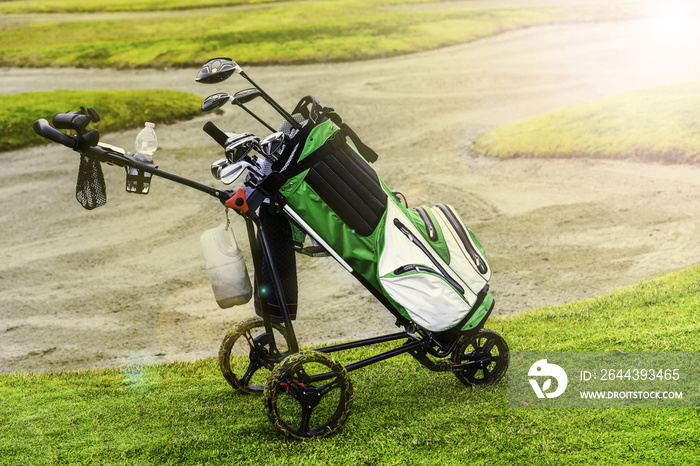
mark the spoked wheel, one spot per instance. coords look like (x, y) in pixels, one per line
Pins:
(245, 355)
(302, 406)
(489, 353)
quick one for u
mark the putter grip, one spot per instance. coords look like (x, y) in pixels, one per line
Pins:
(44, 129)
(218, 135)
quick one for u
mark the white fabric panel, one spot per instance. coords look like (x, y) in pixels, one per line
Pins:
(428, 299)
(460, 260)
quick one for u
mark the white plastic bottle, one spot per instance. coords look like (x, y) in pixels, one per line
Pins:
(145, 145)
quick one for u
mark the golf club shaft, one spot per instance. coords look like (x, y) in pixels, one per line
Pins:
(256, 117)
(295, 124)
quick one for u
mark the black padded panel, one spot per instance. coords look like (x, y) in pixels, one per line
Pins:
(350, 187)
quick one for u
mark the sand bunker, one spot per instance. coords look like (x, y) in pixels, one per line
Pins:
(126, 283)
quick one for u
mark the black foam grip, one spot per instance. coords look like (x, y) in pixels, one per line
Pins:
(70, 120)
(218, 135)
(44, 129)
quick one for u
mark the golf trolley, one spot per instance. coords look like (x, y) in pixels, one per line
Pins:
(428, 269)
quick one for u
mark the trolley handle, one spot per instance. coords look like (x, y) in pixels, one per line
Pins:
(88, 144)
(70, 120)
(44, 129)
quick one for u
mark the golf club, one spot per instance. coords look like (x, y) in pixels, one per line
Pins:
(240, 145)
(219, 69)
(230, 173)
(271, 144)
(245, 96)
(215, 101)
(218, 100)
(217, 166)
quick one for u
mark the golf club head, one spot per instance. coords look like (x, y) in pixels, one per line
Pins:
(271, 144)
(230, 173)
(217, 166)
(216, 70)
(240, 145)
(215, 101)
(246, 95)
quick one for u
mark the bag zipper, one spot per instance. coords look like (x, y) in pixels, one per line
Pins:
(417, 242)
(463, 235)
(414, 267)
(432, 232)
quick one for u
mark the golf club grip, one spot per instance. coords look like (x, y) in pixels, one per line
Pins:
(218, 135)
(44, 129)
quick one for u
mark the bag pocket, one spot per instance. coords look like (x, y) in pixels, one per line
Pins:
(413, 275)
(430, 301)
(466, 256)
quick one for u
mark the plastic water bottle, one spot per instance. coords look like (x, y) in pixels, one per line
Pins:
(226, 267)
(138, 181)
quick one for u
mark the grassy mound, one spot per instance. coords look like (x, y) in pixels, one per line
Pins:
(118, 110)
(77, 6)
(185, 413)
(654, 124)
(281, 32)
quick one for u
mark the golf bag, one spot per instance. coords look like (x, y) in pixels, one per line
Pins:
(424, 264)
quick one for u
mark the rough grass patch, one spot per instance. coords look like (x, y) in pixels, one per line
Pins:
(118, 110)
(316, 31)
(658, 124)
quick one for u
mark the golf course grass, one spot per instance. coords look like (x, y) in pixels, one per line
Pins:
(185, 413)
(658, 124)
(76, 6)
(118, 110)
(320, 31)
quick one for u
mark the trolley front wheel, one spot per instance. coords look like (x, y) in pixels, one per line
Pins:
(308, 395)
(485, 355)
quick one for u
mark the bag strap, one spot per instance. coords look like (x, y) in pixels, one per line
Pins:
(364, 150)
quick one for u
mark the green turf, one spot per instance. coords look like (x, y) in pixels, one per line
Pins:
(118, 110)
(185, 413)
(78, 6)
(282, 33)
(654, 124)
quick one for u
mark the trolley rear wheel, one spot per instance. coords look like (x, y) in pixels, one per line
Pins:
(246, 357)
(306, 407)
(488, 352)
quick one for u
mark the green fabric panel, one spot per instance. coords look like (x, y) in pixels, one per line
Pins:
(316, 138)
(358, 251)
(477, 242)
(298, 235)
(438, 246)
(480, 313)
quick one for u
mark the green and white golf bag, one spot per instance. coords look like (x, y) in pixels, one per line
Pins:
(424, 263)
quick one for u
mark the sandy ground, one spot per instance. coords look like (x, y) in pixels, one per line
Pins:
(126, 283)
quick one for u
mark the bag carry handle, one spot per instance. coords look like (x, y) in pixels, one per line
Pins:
(313, 113)
(310, 108)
